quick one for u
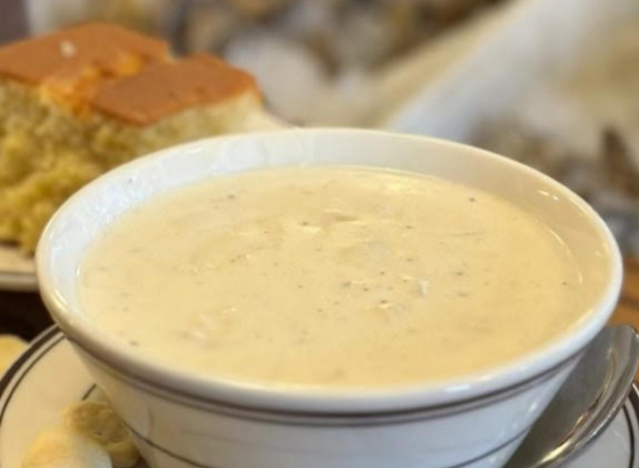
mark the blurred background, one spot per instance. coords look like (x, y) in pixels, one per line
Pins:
(552, 83)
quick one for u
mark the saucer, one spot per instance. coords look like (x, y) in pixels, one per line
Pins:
(48, 377)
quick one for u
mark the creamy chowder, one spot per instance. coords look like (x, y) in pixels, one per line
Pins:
(330, 277)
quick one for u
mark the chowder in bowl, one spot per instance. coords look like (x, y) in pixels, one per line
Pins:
(328, 298)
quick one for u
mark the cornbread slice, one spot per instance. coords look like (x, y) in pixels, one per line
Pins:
(78, 102)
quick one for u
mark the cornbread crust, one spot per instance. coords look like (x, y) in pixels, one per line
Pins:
(107, 96)
(68, 55)
(163, 89)
(72, 63)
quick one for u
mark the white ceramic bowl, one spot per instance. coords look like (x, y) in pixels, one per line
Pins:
(180, 419)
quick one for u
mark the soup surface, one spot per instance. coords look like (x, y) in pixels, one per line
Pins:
(330, 277)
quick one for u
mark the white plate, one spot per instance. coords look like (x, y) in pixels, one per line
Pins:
(17, 271)
(48, 377)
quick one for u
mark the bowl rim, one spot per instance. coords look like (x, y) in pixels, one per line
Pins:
(503, 378)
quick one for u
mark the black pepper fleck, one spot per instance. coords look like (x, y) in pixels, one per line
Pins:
(472, 199)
